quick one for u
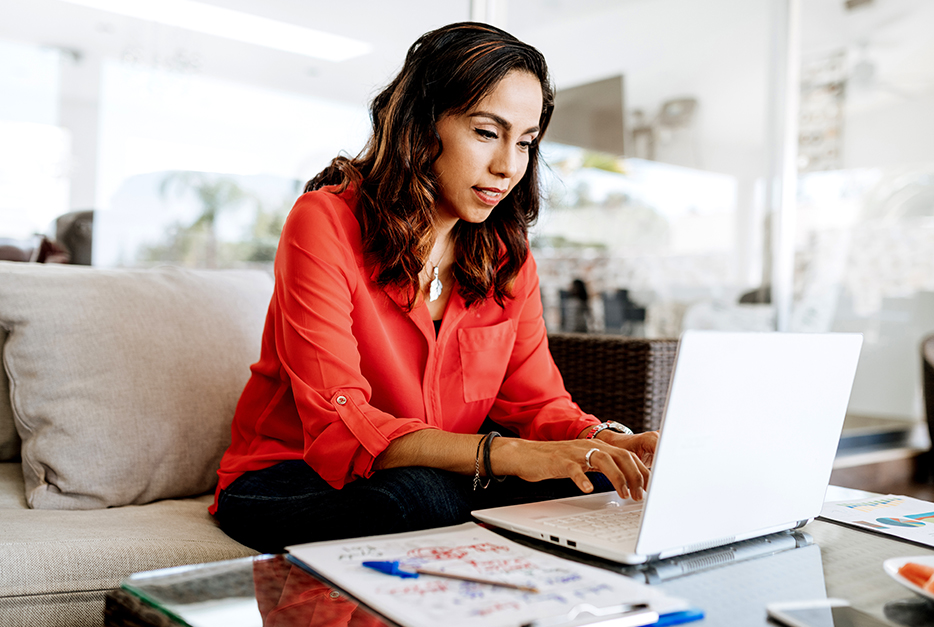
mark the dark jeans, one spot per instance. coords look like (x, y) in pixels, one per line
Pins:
(289, 503)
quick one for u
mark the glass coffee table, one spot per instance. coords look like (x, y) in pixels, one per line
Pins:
(246, 592)
(828, 560)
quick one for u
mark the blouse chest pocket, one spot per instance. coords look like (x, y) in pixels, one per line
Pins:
(484, 353)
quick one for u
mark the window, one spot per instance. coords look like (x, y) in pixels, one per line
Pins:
(865, 224)
(34, 151)
(200, 171)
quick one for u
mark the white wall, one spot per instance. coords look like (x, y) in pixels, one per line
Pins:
(717, 52)
(898, 131)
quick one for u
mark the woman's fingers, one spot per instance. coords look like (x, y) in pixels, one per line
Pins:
(580, 478)
(536, 461)
(603, 462)
(623, 469)
(642, 444)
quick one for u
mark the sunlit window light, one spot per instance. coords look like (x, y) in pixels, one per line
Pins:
(221, 22)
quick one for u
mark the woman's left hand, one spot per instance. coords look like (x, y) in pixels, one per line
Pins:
(641, 444)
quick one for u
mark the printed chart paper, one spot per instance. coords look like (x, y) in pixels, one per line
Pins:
(900, 516)
(470, 550)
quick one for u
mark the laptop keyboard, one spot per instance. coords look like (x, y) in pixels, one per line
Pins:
(609, 524)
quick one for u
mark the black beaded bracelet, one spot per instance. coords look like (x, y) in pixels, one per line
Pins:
(486, 459)
(484, 445)
(476, 465)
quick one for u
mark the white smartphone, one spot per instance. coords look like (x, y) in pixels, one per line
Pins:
(822, 613)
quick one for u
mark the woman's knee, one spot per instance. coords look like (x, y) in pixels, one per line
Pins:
(420, 498)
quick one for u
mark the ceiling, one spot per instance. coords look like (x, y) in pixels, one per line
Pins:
(893, 34)
(389, 27)
(91, 33)
(715, 50)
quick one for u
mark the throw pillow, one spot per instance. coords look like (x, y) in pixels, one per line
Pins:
(124, 382)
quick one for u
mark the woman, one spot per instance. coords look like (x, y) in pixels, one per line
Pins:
(406, 311)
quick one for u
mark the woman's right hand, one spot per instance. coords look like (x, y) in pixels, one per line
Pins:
(536, 461)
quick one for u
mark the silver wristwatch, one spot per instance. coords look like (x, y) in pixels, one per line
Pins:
(612, 425)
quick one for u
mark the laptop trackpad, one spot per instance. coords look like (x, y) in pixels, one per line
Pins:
(577, 505)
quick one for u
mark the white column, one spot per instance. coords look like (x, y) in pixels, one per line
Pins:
(79, 113)
(783, 168)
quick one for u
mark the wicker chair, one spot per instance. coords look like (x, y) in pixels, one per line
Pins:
(616, 378)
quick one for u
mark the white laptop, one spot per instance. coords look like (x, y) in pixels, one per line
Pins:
(747, 443)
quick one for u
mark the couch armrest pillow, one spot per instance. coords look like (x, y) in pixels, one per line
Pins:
(123, 383)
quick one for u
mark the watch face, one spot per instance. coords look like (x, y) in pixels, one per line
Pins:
(617, 427)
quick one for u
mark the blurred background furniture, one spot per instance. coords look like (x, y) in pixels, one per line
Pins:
(36, 249)
(71, 244)
(24, 250)
(576, 316)
(621, 315)
(616, 378)
(73, 232)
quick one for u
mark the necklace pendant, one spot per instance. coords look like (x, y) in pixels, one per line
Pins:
(434, 290)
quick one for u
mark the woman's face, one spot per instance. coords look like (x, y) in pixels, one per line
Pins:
(485, 151)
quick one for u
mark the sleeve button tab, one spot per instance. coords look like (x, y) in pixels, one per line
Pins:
(341, 400)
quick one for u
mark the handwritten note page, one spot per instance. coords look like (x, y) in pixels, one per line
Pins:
(470, 550)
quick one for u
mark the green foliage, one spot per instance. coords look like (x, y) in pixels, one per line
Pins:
(265, 234)
(603, 161)
(214, 192)
(196, 244)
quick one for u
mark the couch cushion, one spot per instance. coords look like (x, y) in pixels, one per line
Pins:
(58, 552)
(96, 550)
(124, 382)
(9, 439)
(77, 609)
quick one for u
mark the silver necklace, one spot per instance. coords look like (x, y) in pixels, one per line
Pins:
(435, 287)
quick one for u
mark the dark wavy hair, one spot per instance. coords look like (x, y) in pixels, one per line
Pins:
(447, 71)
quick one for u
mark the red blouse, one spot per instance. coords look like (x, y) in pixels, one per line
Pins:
(344, 369)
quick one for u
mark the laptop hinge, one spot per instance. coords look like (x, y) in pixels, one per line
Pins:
(664, 570)
(700, 546)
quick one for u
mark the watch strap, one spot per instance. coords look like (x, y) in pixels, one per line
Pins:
(612, 425)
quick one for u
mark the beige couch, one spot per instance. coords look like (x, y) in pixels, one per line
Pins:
(117, 393)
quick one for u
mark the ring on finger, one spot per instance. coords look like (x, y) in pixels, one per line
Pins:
(587, 456)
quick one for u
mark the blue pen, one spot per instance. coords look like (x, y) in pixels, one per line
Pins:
(678, 618)
(392, 568)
